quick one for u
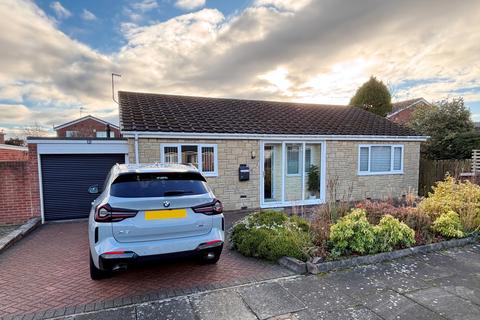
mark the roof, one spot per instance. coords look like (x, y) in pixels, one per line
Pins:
(147, 112)
(402, 105)
(83, 119)
(12, 147)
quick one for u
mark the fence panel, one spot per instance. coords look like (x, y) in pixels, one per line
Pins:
(432, 171)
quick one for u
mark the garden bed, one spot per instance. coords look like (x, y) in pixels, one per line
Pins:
(343, 235)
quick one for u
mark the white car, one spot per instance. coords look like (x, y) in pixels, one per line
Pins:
(152, 211)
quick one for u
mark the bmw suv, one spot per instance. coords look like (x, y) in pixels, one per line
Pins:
(152, 211)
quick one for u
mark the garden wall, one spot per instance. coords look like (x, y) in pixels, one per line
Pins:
(19, 192)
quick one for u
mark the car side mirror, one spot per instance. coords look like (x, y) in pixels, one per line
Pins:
(94, 189)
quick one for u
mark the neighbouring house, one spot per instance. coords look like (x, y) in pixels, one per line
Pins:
(258, 154)
(88, 127)
(402, 110)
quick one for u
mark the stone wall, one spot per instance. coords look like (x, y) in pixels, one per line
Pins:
(233, 193)
(343, 182)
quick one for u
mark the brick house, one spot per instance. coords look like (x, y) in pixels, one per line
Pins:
(402, 111)
(260, 153)
(87, 127)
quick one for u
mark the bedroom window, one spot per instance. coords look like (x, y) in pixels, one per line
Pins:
(202, 156)
(380, 159)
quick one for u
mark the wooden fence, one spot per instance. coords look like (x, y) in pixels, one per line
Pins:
(432, 171)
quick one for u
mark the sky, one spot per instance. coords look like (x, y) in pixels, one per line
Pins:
(56, 57)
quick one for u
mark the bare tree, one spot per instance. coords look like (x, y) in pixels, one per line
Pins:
(35, 130)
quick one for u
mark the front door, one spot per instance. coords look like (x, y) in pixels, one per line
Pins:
(268, 172)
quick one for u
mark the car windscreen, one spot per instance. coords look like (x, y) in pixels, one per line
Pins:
(168, 184)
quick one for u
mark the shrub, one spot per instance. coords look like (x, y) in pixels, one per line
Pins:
(448, 225)
(457, 196)
(390, 234)
(414, 218)
(320, 227)
(352, 234)
(271, 235)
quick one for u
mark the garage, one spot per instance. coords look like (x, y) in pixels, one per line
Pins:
(67, 167)
(65, 182)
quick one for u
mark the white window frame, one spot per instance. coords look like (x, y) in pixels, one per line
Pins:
(71, 133)
(199, 155)
(392, 151)
(300, 152)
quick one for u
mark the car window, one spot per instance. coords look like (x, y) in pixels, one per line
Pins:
(169, 184)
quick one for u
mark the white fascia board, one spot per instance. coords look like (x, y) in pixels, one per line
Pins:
(61, 126)
(247, 136)
(80, 146)
(76, 141)
(10, 147)
(407, 107)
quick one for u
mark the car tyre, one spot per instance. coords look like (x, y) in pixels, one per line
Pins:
(95, 273)
(205, 259)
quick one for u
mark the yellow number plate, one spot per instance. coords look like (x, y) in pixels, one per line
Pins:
(166, 214)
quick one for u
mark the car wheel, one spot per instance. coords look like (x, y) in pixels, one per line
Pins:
(211, 256)
(95, 273)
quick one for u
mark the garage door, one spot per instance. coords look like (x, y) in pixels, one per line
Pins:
(65, 182)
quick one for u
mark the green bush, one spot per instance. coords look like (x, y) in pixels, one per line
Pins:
(448, 225)
(272, 235)
(390, 234)
(457, 196)
(352, 234)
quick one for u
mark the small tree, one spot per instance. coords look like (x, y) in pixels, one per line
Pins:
(450, 128)
(373, 96)
(35, 130)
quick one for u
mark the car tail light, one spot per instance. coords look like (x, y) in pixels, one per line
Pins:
(105, 213)
(214, 207)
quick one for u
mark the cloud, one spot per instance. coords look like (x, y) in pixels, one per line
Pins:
(189, 4)
(145, 5)
(315, 51)
(59, 10)
(88, 16)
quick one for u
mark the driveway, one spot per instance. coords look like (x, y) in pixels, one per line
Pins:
(444, 285)
(47, 273)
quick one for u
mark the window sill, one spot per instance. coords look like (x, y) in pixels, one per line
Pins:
(385, 173)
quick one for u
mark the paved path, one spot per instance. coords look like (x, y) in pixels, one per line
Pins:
(46, 274)
(444, 285)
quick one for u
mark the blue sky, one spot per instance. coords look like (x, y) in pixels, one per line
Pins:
(103, 33)
(56, 57)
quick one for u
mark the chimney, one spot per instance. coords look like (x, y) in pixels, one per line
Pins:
(2, 137)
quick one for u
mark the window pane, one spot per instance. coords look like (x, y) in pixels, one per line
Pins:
(293, 165)
(101, 134)
(208, 159)
(397, 158)
(381, 157)
(169, 184)
(190, 155)
(364, 159)
(171, 154)
(308, 159)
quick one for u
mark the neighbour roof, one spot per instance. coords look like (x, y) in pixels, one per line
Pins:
(400, 105)
(148, 112)
(83, 119)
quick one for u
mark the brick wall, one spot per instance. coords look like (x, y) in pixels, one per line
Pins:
(87, 128)
(19, 193)
(12, 155)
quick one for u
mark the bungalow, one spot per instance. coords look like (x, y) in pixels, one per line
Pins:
(273, 154)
